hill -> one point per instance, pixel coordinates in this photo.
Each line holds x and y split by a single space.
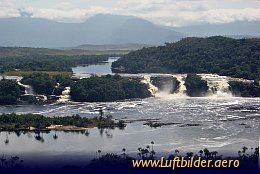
239 28
97 30
221 55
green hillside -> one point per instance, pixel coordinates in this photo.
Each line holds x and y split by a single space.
221 55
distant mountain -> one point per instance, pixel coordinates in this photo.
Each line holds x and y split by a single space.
235 28
97 30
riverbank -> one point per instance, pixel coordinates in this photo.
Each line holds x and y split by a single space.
33 122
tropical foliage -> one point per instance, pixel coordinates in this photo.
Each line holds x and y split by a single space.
9 92
195 85
47 62
221 55
13 122
245 89
44 83
107 88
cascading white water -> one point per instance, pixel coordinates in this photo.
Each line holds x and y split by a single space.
218 85
182 88
65 96
147 80
28 88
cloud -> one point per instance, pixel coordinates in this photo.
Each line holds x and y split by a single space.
166 12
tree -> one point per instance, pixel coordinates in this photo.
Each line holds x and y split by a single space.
217 54
244 149
9 92
206 152
124 152
201 152
195 85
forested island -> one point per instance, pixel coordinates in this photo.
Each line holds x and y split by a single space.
46 84
220 55
9 92
47 62
108 88
28 122
195 86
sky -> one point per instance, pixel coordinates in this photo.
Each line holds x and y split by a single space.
163 12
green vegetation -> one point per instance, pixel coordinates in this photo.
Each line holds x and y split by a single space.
195 85
13 122
47 62
44 83
107 88
9 92
245 89
220 55
51 73
74 51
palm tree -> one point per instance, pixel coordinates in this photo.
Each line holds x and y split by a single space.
189 154
152 153
244 149
239 153
124 154
206 152
214 153
6 138
176 152
99 152
145 151
201 152
252 150
152 143
139 151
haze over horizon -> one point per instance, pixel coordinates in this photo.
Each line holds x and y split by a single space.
59 23
162 12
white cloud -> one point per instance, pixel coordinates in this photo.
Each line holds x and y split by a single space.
167 12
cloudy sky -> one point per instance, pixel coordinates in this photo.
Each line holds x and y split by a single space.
166 12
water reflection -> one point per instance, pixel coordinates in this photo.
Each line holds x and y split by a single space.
101 68
42 136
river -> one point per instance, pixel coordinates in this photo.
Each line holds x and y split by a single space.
224 124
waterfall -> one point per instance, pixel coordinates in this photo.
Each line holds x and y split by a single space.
65 96
147 80
182 87
218 85
28 88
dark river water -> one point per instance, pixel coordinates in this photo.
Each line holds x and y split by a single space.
224 124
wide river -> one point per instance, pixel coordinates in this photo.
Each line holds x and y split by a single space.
224 124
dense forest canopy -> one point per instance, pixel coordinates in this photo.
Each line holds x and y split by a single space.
195 86
44 83
48 62
9 92
107 88
221 55
244 89
25 121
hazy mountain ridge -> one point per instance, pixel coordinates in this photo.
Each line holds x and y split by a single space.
100 29
104 29
127 47
239 28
